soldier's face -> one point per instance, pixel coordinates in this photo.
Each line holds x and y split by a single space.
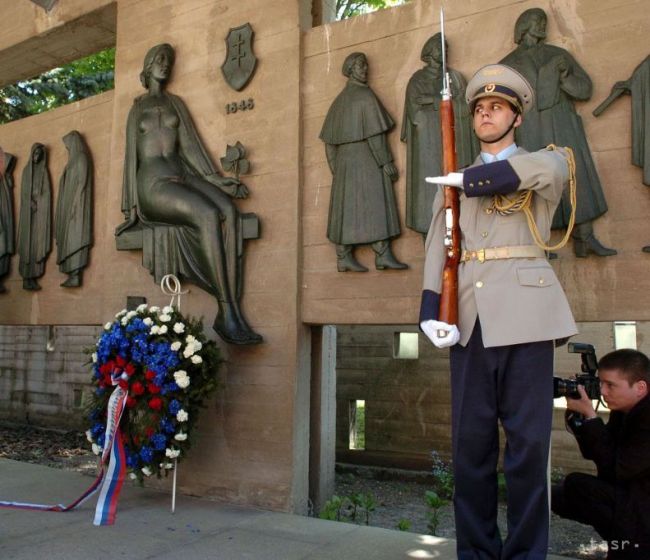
492 117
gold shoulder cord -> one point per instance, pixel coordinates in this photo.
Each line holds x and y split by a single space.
505 206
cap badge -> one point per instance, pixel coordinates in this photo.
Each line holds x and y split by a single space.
489 88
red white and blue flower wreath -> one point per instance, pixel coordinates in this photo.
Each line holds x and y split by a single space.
152 369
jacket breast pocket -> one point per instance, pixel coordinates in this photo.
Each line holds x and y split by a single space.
536 276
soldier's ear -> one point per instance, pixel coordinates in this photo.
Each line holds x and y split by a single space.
518 121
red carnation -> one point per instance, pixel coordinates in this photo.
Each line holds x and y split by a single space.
123 383
153 388
120 361
107 367
155 403
129 369
149 375
131 402
137 388
149 432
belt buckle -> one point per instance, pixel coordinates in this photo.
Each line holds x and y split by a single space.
480 255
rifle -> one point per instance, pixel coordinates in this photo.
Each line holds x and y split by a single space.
448 310
618 89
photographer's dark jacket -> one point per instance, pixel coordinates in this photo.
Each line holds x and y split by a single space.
621 451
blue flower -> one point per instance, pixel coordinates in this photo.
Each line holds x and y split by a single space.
131 459
97 429
159 441
146 453
101 439
174 407
167 426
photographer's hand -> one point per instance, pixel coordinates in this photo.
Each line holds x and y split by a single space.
582 405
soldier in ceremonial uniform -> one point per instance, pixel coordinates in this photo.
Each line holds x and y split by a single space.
512 310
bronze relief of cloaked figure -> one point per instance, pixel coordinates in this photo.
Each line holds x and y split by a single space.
421 132
559 81
73 220
172 187
34 228
7 245
362 202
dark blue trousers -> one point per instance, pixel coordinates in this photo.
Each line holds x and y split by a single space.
514 385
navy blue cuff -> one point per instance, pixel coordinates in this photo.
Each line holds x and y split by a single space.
429 306
492 178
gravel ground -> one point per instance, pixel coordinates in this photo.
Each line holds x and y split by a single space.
398 495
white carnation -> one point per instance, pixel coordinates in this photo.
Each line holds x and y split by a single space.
89 436
107 326
189 350
130 315
179 328
168 309
120 313
124 320
132 476
189 339
176 346
167 465
197 346
196 359
94 357
147 321
154 309
163 329
180 436
97 449
182 416
155 329
183 383
146 471
164 318
172 453
181 378
142 307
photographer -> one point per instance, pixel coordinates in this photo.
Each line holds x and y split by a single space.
616 502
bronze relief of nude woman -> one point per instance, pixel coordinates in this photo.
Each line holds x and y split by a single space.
184 203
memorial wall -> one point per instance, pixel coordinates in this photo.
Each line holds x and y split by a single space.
253 441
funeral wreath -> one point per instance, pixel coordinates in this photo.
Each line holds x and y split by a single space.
166 368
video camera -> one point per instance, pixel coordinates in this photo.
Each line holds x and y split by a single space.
588 379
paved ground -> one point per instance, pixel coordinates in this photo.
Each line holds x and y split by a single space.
199 529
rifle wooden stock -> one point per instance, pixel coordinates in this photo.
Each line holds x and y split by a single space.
448 311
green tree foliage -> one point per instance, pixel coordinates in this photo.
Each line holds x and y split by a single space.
59 86
349 8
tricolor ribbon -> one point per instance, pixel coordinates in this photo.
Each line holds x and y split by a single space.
110 479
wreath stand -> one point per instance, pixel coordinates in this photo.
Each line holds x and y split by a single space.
171 286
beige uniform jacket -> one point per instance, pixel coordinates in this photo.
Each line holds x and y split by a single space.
517 300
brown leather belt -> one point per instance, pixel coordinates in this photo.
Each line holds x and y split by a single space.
495 253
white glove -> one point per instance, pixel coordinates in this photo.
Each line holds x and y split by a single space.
432 329
454 179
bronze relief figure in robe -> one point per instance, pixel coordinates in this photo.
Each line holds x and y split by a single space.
172 187
421 132
73 221
362 202
34 228
7 245
558 81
